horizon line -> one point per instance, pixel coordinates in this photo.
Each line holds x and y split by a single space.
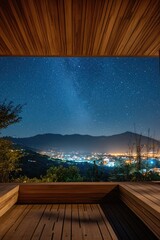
40 134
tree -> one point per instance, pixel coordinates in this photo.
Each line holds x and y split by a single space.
9 114
62 174
139 148
9 156
9 160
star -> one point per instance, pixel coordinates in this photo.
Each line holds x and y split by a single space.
96 96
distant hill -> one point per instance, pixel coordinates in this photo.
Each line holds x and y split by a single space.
83 143
34 164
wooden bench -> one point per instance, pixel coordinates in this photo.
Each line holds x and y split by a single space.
8 196
144 200
66 192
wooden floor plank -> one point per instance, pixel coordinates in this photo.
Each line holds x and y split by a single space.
13 230
47 224
94 217
104 225
11 219
88 221
84 222
58 227
28 222
37 234
34 217
76 226
67 223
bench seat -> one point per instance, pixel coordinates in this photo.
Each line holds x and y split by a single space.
8 196
144 200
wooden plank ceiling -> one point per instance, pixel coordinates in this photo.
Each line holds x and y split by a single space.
79 27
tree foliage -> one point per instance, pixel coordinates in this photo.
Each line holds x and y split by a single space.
55 174
9 160
9 156
9 114
63 174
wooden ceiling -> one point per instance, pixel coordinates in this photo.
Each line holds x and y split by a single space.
79 27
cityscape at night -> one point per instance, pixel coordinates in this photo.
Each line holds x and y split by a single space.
87 112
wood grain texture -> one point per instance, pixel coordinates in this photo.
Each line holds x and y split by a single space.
8 197
56 221
66 192
142 198
111 221
79 27
144 201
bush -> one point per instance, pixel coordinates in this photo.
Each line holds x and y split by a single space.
62 174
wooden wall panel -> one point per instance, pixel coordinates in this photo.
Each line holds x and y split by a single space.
79 27
67 192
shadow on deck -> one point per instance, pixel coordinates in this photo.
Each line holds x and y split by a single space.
125 223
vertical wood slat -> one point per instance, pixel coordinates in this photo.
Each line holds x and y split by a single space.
54 27
68 26
79 27
147 31
112 30
129 33
102 21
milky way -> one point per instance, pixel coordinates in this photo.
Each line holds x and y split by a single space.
96 96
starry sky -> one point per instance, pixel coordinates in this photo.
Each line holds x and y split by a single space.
96 96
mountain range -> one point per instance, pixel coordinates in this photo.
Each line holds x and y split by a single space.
84 143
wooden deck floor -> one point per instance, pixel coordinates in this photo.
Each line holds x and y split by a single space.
98 213
56 221
72 222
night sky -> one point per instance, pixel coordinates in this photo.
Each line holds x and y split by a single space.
96 96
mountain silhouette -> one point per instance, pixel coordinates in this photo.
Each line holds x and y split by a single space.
85 143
